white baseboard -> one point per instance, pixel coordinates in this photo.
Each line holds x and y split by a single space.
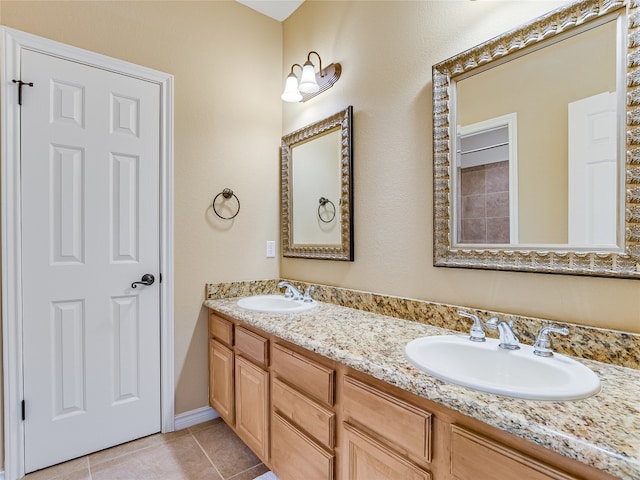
193 417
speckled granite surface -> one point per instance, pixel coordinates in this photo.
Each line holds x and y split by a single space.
608 346
602 431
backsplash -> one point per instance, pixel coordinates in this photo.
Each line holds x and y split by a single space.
609 346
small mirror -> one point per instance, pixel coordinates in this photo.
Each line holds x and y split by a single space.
536 150
317 193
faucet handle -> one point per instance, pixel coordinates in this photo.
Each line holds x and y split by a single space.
542 346
476 334
307 294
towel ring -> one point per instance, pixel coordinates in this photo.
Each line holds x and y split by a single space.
227 193
323 203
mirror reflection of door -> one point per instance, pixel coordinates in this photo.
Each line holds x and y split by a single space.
486 161
593 172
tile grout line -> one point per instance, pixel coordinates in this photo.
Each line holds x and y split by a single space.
89 468
206 455
132 452
244 471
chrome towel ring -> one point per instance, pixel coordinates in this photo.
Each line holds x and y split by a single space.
323 203
227 193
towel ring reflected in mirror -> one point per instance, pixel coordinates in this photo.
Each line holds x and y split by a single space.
323 202
227 193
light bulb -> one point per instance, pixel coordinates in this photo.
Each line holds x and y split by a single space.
291 92
308 82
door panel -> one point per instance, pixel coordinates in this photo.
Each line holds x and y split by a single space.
68 358
90 222
124 179
126 367
593 171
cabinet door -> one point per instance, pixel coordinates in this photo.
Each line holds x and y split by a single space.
252 406
367 459
221 380
294 456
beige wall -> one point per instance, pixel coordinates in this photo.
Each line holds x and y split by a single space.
227 63
386 50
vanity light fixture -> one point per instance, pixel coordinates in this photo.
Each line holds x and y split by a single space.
312 83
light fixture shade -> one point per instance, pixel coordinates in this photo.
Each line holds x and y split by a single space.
308 83
291 92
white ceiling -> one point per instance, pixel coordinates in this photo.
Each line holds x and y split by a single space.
278 9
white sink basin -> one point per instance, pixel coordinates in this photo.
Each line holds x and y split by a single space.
274 304
515 373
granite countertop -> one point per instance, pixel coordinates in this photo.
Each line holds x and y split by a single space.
602 431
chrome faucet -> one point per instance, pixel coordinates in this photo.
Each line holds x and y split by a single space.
291 291
542 346
476 334
508 338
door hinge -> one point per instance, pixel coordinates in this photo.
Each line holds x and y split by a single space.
160 275
20 85
24 411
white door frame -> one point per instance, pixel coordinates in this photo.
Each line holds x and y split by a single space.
13 42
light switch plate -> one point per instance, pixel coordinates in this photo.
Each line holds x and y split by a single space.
271 248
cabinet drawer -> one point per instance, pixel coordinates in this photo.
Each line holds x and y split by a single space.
252 346
294 456
405 427
306 375
474 456
221 329
315 420
368 459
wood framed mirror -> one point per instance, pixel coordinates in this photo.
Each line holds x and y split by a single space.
317 189
515 187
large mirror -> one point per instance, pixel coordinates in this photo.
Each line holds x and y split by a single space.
536 153
317 192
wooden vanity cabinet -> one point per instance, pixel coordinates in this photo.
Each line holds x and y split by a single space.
239 381
388 433
476 456
366 458
308 417
252 390
384 437
302 416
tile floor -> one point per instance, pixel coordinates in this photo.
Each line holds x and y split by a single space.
209 451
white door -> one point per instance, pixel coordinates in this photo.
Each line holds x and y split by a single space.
90 220
593 171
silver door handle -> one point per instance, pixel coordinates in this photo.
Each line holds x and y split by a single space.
147 279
